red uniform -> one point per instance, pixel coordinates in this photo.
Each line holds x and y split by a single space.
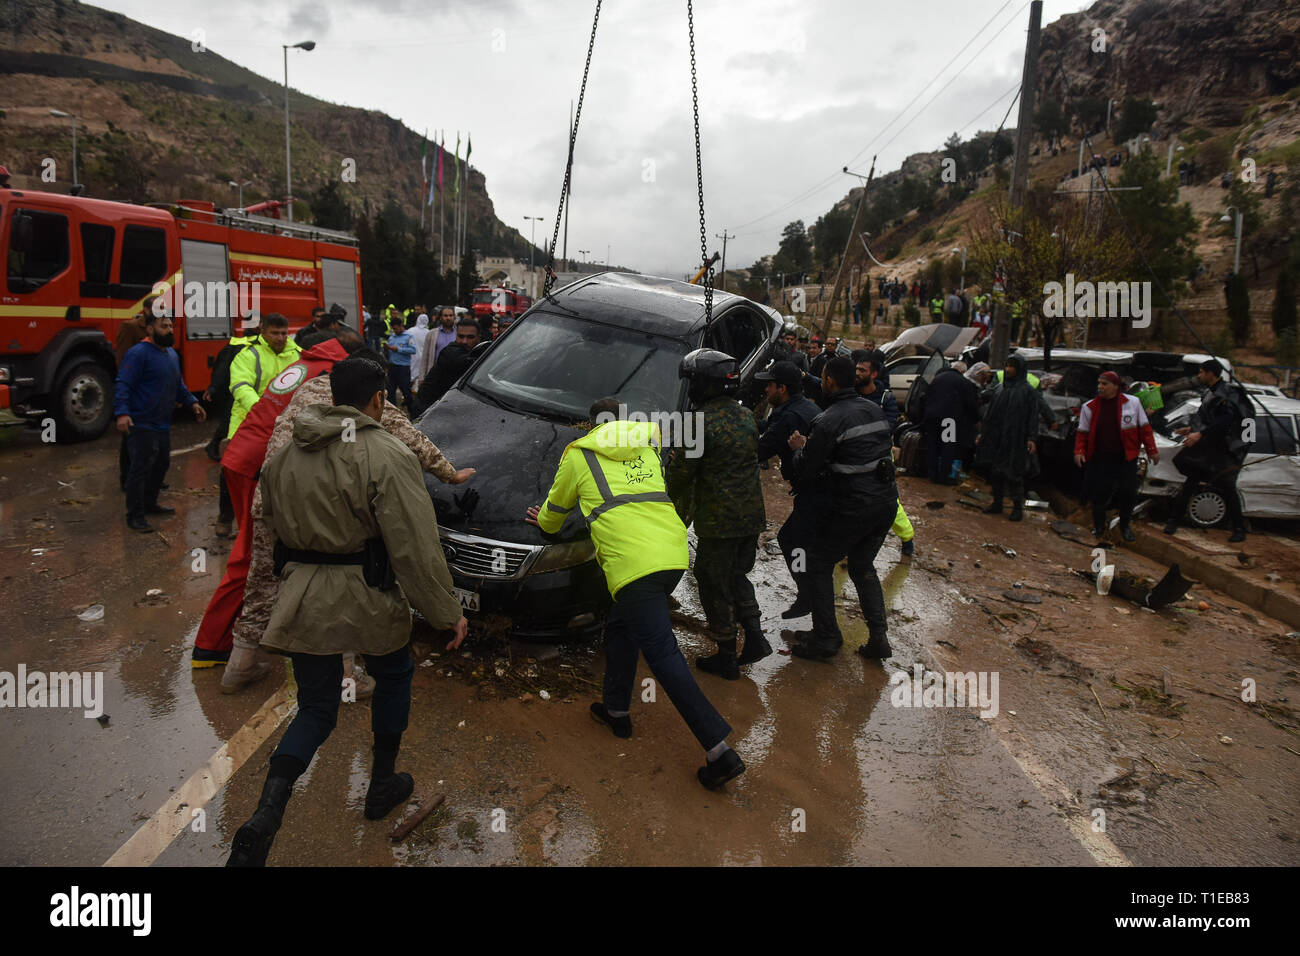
241 462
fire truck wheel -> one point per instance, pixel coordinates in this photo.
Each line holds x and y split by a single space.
84 402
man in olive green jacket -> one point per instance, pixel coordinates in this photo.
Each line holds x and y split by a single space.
343 487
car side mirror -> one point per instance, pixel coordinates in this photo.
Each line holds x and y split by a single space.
479 349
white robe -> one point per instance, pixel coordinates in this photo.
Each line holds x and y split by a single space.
418 335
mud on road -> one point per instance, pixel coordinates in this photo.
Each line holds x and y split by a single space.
1102 706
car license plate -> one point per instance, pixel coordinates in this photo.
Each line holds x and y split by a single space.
468 599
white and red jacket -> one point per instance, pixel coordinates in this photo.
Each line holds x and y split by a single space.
1134 429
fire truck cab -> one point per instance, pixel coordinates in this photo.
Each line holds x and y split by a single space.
77 268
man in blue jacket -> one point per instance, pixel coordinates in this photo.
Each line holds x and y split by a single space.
400 347
149 387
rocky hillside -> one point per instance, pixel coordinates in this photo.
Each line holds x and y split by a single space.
159 121
1203 63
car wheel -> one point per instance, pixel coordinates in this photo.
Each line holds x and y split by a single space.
1207 508
83 402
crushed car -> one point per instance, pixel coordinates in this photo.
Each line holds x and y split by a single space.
526 396
1269 480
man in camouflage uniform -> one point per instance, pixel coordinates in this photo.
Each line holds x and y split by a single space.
262 585
721 491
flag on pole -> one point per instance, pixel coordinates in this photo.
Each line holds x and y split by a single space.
456 186
424 158
469 148
442 148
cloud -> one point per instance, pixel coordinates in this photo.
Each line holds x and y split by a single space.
311 19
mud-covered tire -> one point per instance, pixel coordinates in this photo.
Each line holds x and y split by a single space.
83 402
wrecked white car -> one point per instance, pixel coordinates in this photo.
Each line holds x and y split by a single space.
1269 482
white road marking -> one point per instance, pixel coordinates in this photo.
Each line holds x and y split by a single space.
158 832
1057 794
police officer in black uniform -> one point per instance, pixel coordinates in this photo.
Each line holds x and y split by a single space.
1214 447
845 502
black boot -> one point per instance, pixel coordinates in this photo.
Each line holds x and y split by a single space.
800 608
877 648
253 840
1017 511
387 789
756 645
995 508
723 663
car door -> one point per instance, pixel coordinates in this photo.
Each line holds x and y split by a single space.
921 383
1269 481
747 336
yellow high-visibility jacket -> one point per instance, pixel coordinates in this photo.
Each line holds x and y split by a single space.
250 373
614 473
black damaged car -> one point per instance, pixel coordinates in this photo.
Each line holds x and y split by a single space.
525 398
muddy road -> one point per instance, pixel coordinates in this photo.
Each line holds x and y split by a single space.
1120 735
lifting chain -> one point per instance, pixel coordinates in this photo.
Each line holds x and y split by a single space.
568 168
699 171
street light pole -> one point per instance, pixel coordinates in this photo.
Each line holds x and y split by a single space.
240 187
1236 256
532 275
73 117
308 45
584 253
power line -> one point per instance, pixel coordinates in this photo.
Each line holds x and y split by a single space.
824 183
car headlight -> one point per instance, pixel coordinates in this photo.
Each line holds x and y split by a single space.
555 557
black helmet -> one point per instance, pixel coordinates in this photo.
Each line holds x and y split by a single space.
710 373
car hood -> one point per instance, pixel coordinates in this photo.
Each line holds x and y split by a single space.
516 457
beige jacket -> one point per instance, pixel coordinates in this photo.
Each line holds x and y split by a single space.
342 480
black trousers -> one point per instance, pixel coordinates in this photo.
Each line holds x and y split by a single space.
399 380
150 457
1225 483
1015 487
1112 476
821 540
225 507
721 569
319 678
123 461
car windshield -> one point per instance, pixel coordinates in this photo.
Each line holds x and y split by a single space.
483 298
557 365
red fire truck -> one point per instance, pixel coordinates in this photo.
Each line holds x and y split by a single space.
77 268
501 303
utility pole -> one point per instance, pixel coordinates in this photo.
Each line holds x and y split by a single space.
1020 171
724 237
840 276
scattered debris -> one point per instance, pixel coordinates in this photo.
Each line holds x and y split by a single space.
1022 597
543 695
990 546
934 505
1225 740
93 613
103 720
409 822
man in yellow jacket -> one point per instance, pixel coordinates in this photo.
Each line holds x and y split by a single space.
614 474
262 359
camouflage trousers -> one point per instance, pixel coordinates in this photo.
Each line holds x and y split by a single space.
721 566
260 589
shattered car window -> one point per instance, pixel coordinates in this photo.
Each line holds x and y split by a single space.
558 365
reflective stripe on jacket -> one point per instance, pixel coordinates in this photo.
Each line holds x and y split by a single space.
1134 429
615 475
250 373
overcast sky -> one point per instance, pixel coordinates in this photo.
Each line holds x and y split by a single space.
790 92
